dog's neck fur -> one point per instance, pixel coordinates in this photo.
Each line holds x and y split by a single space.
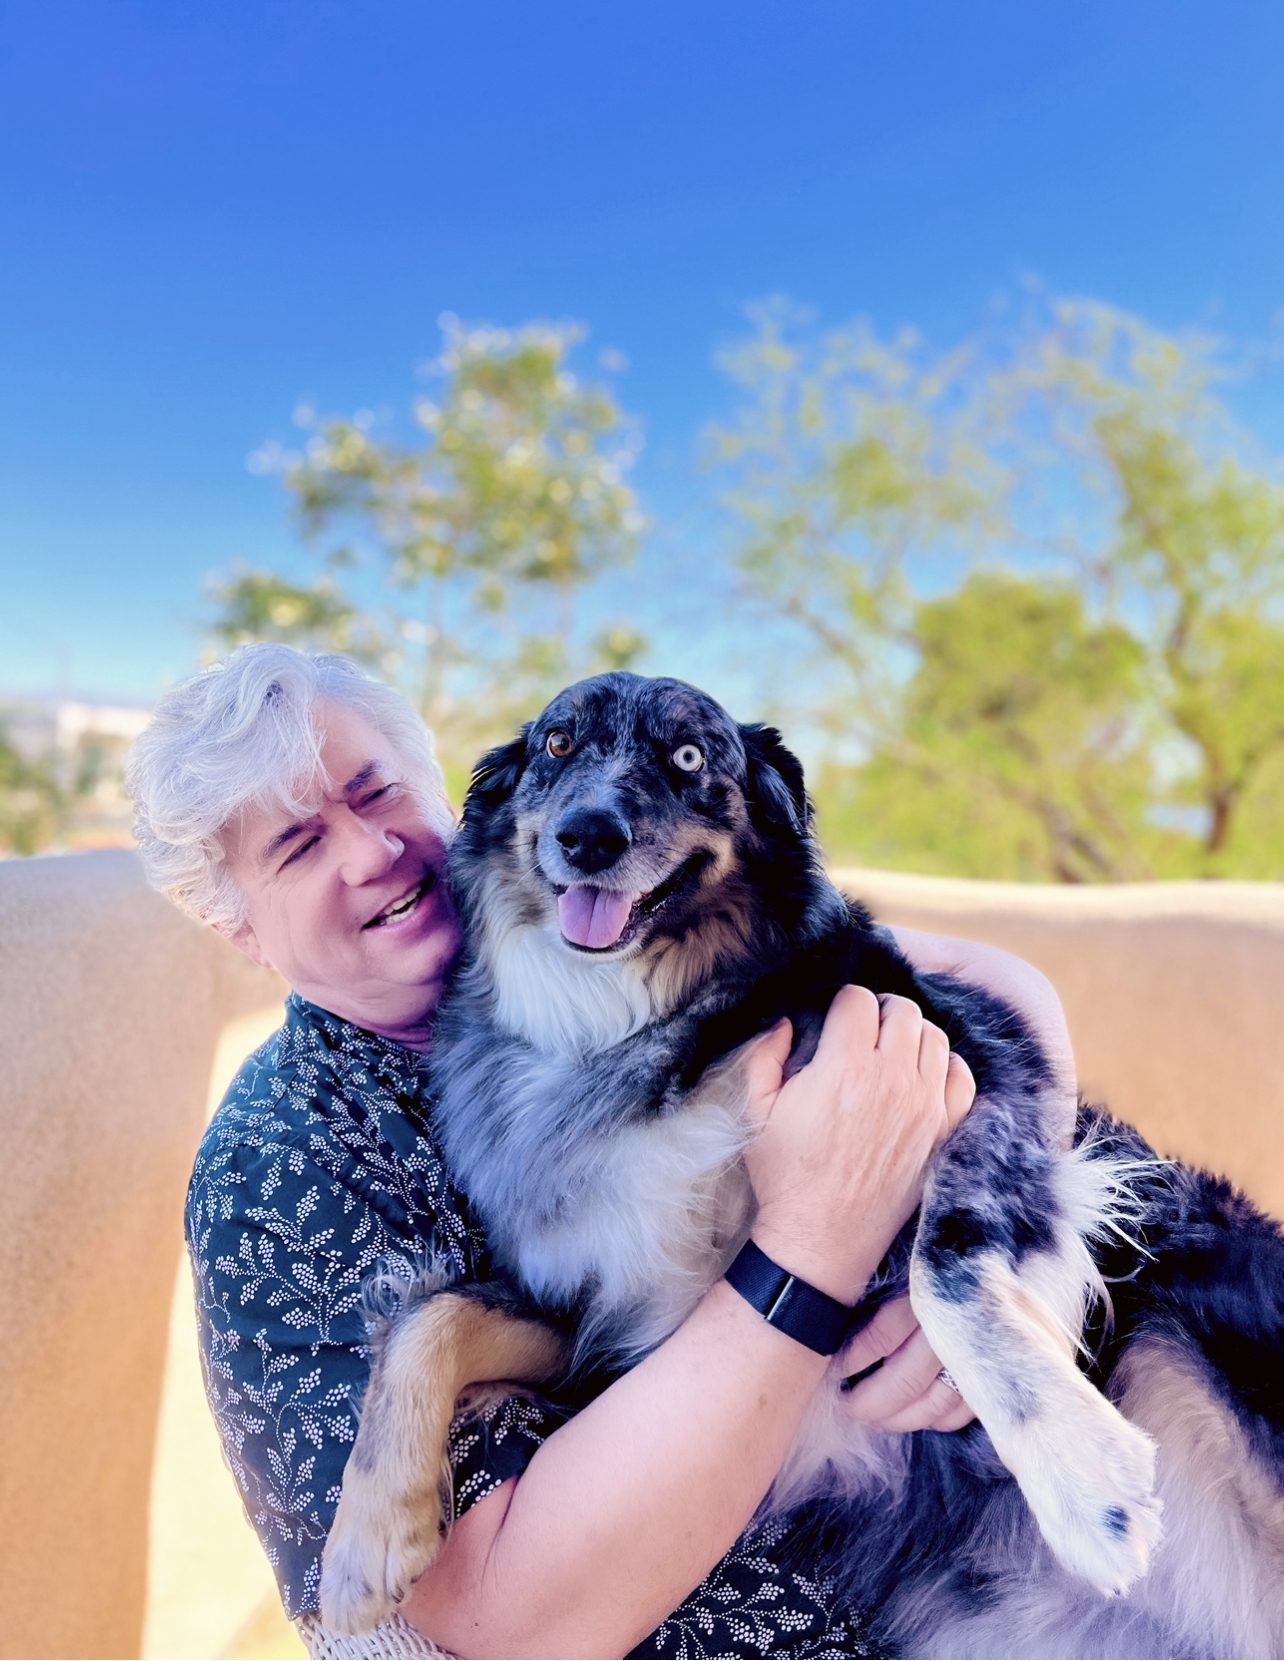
561 1003
575 1005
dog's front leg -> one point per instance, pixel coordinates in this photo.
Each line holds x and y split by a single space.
396 1485
999 1280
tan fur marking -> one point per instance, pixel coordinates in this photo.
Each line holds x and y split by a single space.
1221 1569
1039 1324
387 1529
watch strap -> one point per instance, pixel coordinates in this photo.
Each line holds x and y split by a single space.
798 1309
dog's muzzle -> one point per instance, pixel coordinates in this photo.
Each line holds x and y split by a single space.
596 918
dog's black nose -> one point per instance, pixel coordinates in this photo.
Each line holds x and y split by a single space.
592 840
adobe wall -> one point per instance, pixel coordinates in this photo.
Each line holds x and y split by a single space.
112 1009
112 1005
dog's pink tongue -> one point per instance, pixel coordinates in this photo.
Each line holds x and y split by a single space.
593 916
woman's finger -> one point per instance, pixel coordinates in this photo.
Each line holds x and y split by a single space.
880 1336
897 1387
933 1051
765 1071
956 1416
960 1090
900 1024
939 1407
850 1029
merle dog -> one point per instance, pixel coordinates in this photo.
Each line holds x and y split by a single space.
643 895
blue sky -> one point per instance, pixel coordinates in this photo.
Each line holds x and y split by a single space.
214 211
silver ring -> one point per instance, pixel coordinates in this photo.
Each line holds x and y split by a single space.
946 1378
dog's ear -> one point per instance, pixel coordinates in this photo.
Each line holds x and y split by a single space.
497 774
777 792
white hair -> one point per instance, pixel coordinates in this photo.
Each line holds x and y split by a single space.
244 735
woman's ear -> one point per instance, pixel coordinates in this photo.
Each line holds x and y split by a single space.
245 940
777 791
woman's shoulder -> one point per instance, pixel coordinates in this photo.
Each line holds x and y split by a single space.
323 1105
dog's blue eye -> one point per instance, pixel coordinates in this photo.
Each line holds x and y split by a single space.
688 759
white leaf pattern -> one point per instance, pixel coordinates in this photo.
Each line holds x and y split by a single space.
323 1150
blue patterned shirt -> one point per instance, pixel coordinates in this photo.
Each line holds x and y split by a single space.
320 1168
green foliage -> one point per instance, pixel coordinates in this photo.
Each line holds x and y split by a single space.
1116 711
36 806
517 478
256 605
1196 554
1020 725
487 525
848 456
1030 589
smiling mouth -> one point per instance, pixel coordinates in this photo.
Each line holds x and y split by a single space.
605 919
400 909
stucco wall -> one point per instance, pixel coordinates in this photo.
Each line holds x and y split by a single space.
112 1007
111 1018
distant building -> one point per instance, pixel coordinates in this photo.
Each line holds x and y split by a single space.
81 746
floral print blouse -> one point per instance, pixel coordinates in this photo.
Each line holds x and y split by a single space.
319 1169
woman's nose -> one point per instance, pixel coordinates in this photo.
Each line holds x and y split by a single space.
369 849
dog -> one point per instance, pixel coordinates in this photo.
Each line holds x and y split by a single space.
643 895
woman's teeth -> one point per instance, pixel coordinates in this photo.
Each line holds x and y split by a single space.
403 908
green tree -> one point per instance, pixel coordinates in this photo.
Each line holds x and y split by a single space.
37 804
488 525
257 605
1017 747
1110 708
855 466
1193 556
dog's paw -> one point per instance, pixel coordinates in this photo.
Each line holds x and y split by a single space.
1091 1487
379 1544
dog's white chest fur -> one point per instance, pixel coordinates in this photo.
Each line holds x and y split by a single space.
665 1205
561 1003
645 1213
644 1216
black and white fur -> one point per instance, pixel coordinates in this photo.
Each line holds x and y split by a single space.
590 1104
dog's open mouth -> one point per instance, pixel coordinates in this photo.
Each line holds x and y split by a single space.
603 919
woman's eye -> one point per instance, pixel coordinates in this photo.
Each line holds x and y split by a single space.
377 795
559 744
688 758
300 851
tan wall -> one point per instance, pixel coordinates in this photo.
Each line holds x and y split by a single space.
112 1006
112 1012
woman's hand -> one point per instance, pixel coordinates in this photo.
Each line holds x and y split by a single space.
837 1167
1019 983
903 1389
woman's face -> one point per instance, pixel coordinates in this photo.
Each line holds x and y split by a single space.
349 900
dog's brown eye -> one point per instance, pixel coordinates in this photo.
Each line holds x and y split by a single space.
559 744
688 758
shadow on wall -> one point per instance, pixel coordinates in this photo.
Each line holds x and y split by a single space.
112 1015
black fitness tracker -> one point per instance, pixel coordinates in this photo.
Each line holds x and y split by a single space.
783 1300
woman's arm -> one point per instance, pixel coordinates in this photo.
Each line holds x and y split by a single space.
628 1506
